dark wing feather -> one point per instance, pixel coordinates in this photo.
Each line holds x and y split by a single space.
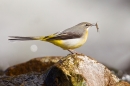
65 36
71 33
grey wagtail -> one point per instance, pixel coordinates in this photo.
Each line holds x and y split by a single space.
68 39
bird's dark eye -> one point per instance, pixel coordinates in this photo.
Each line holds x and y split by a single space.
86 25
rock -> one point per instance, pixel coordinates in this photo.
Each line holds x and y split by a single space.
1 72
81 70
72 70
35 65
121 83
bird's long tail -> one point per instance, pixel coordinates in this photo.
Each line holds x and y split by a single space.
20 38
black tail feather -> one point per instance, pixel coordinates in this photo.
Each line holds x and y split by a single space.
19 38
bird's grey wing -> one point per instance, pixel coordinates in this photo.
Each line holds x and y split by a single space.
70 33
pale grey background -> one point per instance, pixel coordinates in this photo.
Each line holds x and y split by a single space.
110 46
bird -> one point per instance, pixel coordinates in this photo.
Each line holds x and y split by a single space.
68 39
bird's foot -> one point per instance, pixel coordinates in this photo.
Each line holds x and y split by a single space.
74 52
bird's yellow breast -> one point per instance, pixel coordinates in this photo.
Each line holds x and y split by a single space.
71 43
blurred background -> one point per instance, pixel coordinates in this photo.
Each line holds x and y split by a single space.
110 46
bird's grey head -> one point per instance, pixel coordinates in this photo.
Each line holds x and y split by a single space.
87 25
